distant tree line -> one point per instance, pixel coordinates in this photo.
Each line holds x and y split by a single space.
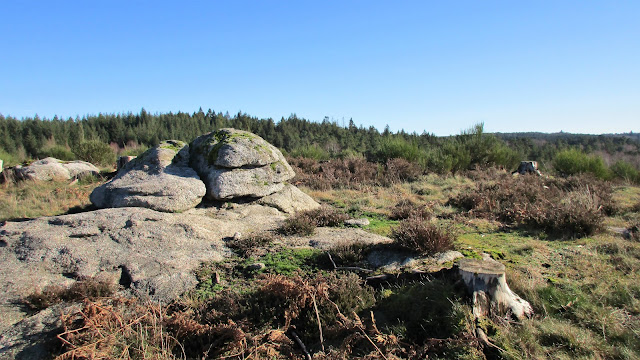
33 138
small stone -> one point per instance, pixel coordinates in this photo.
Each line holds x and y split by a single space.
448 256
357 222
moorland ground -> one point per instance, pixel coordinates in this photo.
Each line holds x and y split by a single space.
570 246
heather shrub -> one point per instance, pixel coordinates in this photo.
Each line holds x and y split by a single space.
325 216
578 214
352 173
574 207
350 254
247 245
298 225
418 235
406 208
399 170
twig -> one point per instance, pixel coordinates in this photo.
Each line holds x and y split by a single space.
301 344
315 307
331 259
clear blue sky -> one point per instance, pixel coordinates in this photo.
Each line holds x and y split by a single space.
439 66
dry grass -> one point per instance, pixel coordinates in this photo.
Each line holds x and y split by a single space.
28 199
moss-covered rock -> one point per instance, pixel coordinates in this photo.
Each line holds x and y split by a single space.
235 163
159 179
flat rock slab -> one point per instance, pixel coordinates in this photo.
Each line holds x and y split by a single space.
326 237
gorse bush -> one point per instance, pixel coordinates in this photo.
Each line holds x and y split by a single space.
311 152
625 171
57 151
574 161
416 234
95 152
399 148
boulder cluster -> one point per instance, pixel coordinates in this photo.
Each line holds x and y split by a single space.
223 165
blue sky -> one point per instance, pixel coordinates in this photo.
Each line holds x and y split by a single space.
439 66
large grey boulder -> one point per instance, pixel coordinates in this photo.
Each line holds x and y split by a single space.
235 163
159 179
54 169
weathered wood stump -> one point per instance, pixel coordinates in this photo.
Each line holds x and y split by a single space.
486 281
122 161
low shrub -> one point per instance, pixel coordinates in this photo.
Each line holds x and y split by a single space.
247 245
405 209
398 170
573 207
350 254
352 173
297 225
325 216
95 152
304 223
415 234
625 171
573 162
57 151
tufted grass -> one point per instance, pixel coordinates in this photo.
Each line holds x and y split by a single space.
29 199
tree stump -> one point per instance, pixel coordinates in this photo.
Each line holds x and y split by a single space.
486 280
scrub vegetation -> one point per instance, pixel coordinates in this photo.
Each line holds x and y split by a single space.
568 240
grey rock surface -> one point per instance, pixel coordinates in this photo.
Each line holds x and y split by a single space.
235 163
448 256
54 169
151 252
357 222
326 238
159 179
289 200
35 336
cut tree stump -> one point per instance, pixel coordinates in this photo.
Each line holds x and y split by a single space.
485 279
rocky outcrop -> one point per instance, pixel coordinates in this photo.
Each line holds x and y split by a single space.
235 163
54 169
159 179
151 252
